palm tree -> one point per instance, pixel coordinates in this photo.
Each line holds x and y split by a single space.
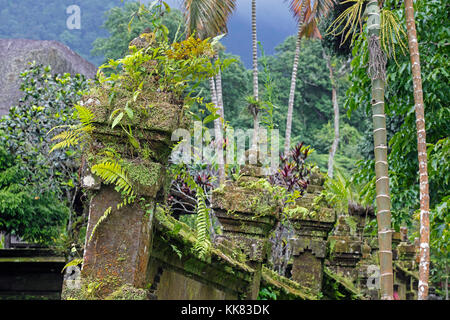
254 106
307 27
424 265
209 18
335 144
378 36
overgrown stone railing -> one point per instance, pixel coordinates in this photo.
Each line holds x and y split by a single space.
247 214
312 220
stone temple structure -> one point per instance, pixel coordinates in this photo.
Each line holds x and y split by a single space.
142 252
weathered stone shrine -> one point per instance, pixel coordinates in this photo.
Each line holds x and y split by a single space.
141 252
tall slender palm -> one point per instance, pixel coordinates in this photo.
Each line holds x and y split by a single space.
377 72
424 265
351 20
305 12
255 106
209 18
335 144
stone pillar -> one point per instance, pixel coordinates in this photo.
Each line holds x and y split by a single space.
367 268
405 267
247 213
312 222
118 254
345 250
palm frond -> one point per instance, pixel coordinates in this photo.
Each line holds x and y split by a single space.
392 34
207 17
347 20
318 8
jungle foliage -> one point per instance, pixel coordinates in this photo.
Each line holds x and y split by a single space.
39 191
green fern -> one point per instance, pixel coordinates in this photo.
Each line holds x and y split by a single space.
76 134
74 262
203 243
100 221
111 172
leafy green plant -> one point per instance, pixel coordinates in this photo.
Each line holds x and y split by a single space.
203 243
342 190
47 102
267 293
27 211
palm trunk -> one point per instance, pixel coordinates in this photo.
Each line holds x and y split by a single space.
377 71
218 134
424 265
255 77
335 144
287 141
219 93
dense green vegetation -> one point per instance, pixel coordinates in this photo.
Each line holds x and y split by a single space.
39 192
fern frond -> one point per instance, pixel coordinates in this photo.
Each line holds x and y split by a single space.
111 172
69 139
84 115
76 134
202 245
100 221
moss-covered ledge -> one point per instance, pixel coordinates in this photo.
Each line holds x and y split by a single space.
224 268
291 288
345 284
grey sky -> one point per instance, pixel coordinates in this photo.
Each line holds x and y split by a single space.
274 23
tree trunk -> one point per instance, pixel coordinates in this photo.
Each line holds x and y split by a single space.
335 144
219 93
255 77
424 265
377 71
218 134
287 140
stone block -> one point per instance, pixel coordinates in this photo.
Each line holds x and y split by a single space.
118 253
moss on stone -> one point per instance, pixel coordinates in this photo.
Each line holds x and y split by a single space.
346 283
286 285
128 292
147 177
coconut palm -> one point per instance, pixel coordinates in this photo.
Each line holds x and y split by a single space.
424 265
383 33
305 11
208 18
